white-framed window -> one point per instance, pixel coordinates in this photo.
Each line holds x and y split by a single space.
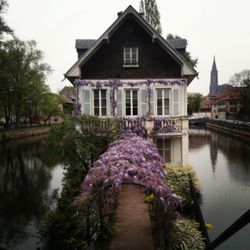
130 57
164 148
131 102
163 101
100 102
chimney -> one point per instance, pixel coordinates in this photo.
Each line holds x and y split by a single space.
119 13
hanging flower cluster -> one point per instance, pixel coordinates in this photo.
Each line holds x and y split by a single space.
163 125
132 83
131 159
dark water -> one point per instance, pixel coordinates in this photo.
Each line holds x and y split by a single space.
29 173
222 164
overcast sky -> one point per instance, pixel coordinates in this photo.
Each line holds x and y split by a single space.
219 28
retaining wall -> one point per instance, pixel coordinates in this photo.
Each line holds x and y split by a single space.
22 133
237 130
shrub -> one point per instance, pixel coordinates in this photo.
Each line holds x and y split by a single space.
186 236
79 141
178 178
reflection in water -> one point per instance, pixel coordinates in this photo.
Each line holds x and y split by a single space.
26 170
223 166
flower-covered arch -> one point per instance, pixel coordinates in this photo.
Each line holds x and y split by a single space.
130 159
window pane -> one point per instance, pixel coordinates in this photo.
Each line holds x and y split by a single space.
127 92
167 143
166 93
128 111
166 110
103 94
166 107
104 111
135 111
159 110
96 102
159 143
159 102
104 103
96 94
159 93
96 110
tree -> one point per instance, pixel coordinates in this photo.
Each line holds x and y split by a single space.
194 104
50 105
185 54
241 80
4 28
21 70
151 13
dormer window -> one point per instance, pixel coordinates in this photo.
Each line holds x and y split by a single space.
130 57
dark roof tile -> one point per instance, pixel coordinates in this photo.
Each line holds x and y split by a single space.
84 43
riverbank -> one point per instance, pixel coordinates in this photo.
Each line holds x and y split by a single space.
238 130
23 132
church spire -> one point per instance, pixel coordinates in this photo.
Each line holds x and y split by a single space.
214 67
213 79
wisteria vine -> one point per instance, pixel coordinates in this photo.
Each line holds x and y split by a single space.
130 159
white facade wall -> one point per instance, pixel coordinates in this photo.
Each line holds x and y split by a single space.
178 100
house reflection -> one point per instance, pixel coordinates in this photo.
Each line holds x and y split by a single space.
170 149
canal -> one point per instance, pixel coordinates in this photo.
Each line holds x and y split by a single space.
222 164
30 171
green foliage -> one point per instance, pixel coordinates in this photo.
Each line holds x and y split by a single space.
151 14
172 36
50 105
185 235
194 103
22 76
185 54
79 141
4 28
178 178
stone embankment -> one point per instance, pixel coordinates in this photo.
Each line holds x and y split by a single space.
235 128
22 133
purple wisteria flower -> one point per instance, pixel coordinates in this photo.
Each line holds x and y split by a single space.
130 159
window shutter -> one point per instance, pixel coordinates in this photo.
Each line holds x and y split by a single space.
144 102
86 101
152 101
119 102
176 102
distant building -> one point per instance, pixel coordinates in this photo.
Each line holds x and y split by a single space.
214 87
227 105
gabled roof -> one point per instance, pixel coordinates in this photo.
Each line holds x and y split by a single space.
187 70
176 43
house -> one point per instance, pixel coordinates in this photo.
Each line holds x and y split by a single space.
131 71
227 105
205 107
